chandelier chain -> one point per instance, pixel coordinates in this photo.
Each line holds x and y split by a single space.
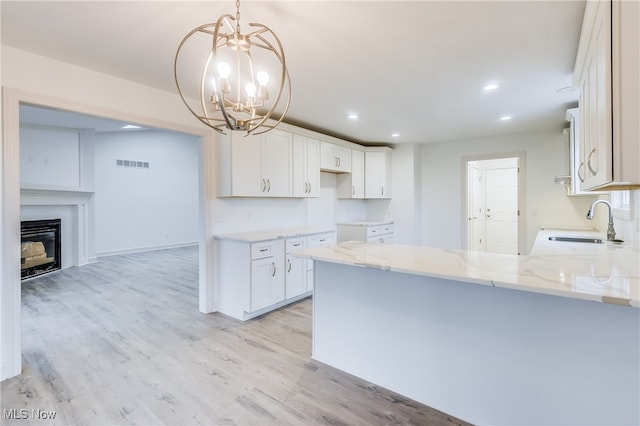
238 16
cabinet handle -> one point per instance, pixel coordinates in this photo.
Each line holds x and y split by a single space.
593 172
264 185
323 240
262 250
579 175
288 265
268 185
382 190
273 269
339 162
353 190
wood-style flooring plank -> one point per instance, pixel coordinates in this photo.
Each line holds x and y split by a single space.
121 342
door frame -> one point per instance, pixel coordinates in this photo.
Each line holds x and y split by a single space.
10 283
522 226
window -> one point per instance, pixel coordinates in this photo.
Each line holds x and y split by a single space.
622 206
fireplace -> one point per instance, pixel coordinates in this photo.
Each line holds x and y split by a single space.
40 248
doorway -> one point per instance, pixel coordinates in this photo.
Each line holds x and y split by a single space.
493 204
10 291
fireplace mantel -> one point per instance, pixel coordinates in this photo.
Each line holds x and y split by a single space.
53 196
81 202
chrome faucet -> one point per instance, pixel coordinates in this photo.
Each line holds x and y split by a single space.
611 233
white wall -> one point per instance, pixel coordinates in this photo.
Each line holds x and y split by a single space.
547 204
49 157
139 208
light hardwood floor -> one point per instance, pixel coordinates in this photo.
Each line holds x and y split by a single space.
121 341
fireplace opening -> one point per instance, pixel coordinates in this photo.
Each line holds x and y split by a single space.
40 247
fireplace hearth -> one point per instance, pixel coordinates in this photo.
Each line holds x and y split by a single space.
40 248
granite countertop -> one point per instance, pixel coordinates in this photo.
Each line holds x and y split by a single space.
273 234
608 273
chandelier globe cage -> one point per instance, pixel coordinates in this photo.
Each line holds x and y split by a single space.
243 82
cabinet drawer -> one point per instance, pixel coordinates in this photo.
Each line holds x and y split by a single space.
322 239
373 231
296 244
260 250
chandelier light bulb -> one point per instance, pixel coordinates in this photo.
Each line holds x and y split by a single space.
263 78
224 70
251 89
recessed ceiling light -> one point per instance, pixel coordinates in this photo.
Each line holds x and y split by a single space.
490 87
505 118
352 116
395 135
131 126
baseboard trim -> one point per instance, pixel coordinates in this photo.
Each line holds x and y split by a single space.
143 249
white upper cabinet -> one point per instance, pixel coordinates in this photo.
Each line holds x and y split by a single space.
306 166
377 173
335 158
276 163
351 185
255 166
607 69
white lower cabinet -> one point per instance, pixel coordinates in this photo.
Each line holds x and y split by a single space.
267 284
295 268
267 274
255 277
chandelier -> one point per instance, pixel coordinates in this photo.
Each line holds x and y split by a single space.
234 83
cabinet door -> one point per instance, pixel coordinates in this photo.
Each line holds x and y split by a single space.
373 186
343 156
595 103
300 187
328 159
357 174
263 273
246 174
313 167
276 163
296 273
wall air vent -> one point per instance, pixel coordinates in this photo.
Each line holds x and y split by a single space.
133 163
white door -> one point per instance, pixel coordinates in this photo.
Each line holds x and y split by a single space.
475 217
501 210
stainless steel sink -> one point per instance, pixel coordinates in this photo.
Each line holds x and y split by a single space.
578 240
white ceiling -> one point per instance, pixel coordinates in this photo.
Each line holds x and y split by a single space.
416 68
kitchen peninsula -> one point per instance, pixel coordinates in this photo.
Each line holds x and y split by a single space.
549 338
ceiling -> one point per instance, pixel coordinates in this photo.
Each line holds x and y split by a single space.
415 68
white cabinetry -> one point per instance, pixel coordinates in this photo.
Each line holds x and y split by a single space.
255 166
351 185
372 232
335 158
267 275
295 268
255 277
606 70
306 167
378 173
